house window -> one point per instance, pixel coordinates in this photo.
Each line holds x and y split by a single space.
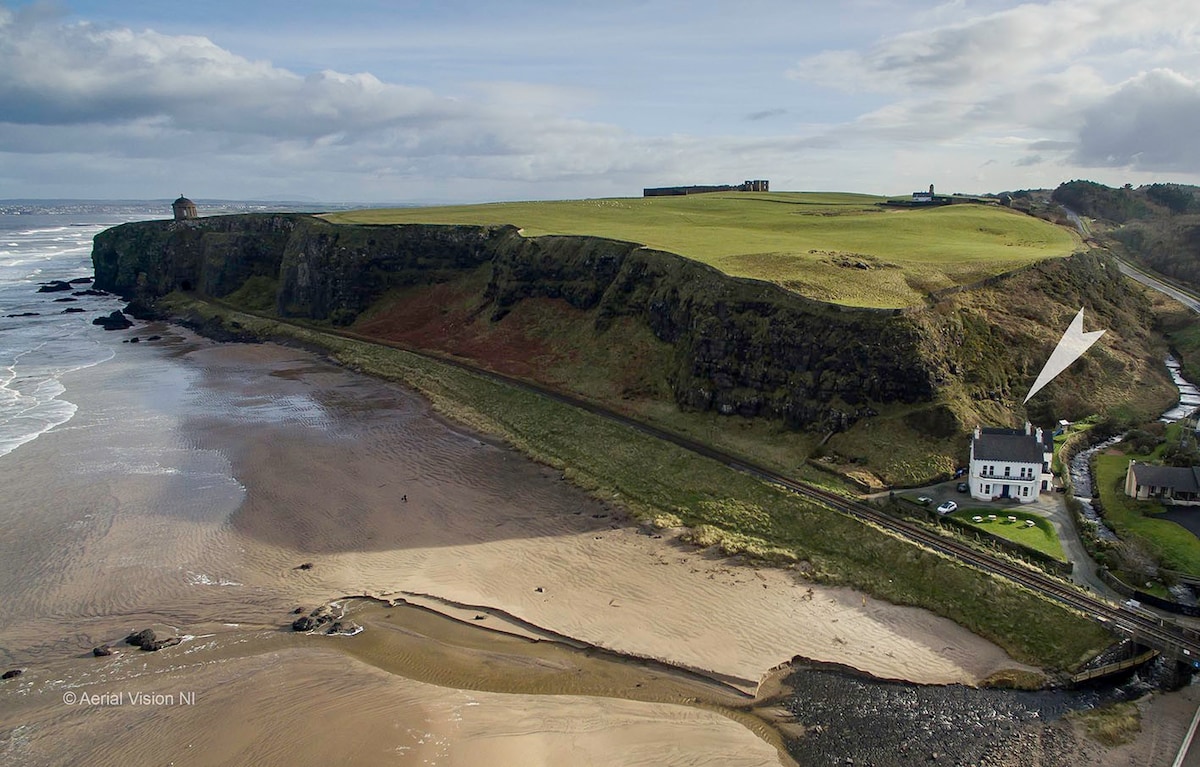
1025 492
987 489
1007 470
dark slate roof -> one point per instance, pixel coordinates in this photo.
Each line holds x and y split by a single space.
1017 446
1178 478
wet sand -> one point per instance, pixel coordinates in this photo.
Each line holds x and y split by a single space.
197 477
314 707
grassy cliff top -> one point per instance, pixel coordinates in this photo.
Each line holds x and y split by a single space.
842 248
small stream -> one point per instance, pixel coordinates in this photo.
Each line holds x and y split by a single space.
1081 473
849 718
1189 395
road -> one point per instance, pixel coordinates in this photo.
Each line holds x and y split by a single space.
1187 299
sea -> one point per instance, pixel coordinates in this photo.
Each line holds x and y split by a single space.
39 243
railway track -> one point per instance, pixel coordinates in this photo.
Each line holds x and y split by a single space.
1168 637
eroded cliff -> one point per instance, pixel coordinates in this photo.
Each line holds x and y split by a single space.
707 341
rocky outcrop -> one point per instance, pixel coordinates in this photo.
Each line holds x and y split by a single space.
147 640
114 321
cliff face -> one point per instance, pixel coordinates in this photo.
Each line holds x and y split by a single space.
740 346
732 345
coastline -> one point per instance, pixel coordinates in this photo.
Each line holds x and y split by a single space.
309 459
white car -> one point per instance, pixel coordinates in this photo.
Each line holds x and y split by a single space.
924 500
947 507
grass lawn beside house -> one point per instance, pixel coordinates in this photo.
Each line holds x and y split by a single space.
1041 537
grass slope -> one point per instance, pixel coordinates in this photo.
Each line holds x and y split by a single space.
842 248
658 481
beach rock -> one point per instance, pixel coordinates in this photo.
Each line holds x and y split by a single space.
336 628
80 281
102 651
54 286
140 311
14 673
66 300
154 338
141 638
114 321
23 314
304 566
298 611
90 292
73 310
305 623
159 644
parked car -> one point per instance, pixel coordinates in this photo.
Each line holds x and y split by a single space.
963 487
924 500
947 507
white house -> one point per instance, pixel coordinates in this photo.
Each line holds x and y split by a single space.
1010 463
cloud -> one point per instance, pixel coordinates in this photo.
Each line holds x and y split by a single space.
1149 123
1000 47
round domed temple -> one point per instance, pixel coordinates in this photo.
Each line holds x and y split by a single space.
183 208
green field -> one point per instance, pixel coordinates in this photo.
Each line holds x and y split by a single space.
1040 537
842 248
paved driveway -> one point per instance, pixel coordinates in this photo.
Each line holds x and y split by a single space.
1052 506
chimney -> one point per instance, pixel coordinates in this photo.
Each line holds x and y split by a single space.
1028 429
1038 433
978 432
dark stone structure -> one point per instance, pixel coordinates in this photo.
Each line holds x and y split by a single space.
755 185
183 208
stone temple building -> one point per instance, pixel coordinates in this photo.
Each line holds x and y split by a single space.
183 208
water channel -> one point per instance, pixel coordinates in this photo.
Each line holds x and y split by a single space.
1080 468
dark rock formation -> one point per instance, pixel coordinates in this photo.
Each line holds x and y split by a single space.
66 300
12 674
159 644
141 638
304 566
54 286
90 292
141 311
147 640
114 321
102 651
73 310
81 281
24 314
304 623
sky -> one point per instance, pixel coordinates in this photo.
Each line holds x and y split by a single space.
402 101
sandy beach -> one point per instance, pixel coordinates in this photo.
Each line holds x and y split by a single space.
263 458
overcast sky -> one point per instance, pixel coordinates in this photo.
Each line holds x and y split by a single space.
461 100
